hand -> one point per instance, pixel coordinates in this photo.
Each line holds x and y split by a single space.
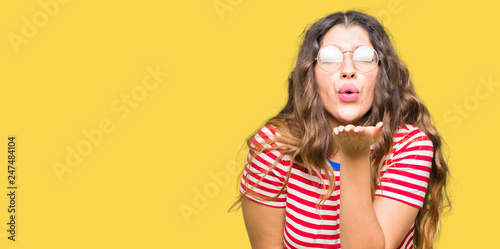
356 140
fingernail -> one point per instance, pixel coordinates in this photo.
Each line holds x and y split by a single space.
382 126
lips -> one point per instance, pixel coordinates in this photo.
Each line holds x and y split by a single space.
348 93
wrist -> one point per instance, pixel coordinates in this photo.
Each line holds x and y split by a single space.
360 154
357 163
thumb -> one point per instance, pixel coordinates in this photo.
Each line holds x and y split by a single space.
378 130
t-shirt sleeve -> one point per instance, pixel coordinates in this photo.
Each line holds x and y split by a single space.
260 179
405 176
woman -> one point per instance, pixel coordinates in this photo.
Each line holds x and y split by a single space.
352 159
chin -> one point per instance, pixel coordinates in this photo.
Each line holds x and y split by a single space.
349 119
336 121
354 122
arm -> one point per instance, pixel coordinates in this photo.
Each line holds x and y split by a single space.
359 226
381 223
264 219
265 225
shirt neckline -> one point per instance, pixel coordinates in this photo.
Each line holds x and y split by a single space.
335 165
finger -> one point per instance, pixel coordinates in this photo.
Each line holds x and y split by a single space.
349 128
343 133
344 136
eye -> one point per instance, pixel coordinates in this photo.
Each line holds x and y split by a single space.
330 54
364 53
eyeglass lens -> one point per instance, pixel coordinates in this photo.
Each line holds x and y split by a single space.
330 58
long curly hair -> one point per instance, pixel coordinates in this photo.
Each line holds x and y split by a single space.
306 134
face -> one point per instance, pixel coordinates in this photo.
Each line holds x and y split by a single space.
347 93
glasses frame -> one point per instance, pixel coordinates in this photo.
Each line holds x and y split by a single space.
347 51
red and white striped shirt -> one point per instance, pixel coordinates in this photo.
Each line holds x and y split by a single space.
403 177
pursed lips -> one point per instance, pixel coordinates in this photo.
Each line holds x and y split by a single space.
348 93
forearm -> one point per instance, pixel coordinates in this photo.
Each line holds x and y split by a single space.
359 226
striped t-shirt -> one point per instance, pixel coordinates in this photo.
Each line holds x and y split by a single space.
403 177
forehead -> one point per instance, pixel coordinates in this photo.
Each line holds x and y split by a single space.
346 37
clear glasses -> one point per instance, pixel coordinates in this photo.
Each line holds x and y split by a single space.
330 58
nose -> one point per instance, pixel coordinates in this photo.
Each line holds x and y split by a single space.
348 71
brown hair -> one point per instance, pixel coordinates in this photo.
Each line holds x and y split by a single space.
306 134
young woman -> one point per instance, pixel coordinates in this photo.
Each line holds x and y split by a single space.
352 160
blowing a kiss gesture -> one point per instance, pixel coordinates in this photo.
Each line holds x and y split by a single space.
339 193
356 140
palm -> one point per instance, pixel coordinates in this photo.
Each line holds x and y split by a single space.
355 140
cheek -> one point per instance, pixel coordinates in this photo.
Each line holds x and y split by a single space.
321 83
320 76
372 79
324 80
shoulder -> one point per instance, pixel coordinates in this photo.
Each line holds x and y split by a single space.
265 137
266 151
404 176
264 177
410 136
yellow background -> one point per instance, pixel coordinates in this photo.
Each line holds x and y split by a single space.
226 75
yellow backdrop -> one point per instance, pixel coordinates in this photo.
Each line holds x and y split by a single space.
128 115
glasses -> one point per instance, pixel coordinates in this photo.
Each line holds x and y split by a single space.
330 58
